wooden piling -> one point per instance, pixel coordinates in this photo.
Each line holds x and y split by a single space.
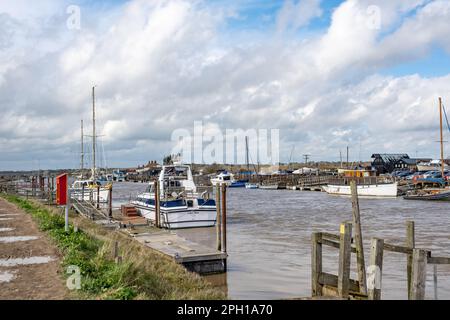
344 260
419 274
218 220
110 214
98 197
435 281
224 218
410 243
361 267
157 204
376 265
117 258
316 264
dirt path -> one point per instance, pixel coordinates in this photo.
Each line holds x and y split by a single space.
29 263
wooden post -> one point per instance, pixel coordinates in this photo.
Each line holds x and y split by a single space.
218 220
117 258
157 204
316 264
410 243
419 274
344 259
52 187
358 240
98 197
224 218
82 192
110 214
376 269
435 280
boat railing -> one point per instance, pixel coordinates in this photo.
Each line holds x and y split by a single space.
360 180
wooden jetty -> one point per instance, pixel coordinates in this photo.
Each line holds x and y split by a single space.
343 287
195 257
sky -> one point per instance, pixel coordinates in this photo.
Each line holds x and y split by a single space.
328 74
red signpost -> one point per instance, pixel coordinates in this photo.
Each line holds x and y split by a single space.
61 189
62 196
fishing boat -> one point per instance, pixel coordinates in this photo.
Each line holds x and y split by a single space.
368 184
389 190
181 206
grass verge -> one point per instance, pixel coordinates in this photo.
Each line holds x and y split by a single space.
143 274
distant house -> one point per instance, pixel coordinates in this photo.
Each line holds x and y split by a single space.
406 164
385 162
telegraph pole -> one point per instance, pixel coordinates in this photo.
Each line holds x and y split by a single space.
442 140
93 134
82 150
347 157
306 156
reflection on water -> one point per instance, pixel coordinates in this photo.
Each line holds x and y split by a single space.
269 239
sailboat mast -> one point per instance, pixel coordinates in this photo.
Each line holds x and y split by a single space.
82 150
442 139
246 153
93 134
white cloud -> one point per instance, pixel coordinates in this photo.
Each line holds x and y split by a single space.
161 65
298 14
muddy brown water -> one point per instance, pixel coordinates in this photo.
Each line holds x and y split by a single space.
269 239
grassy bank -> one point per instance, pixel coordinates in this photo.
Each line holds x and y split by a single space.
143 273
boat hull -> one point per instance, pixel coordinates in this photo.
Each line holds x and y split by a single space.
437 196
179 217
376 190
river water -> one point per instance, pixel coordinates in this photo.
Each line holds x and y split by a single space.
269 239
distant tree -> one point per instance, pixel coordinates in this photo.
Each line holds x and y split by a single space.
168 160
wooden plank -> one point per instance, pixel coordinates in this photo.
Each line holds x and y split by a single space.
326 279
419 274
316 264
410 243
330 236
398 249
344 260
360 263
438 260
375 269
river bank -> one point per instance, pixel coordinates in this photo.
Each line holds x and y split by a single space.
141 274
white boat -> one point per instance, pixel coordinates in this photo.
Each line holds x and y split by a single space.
365 190
223 178
87 190
269 186
119 176
434 165
181 206
251 186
